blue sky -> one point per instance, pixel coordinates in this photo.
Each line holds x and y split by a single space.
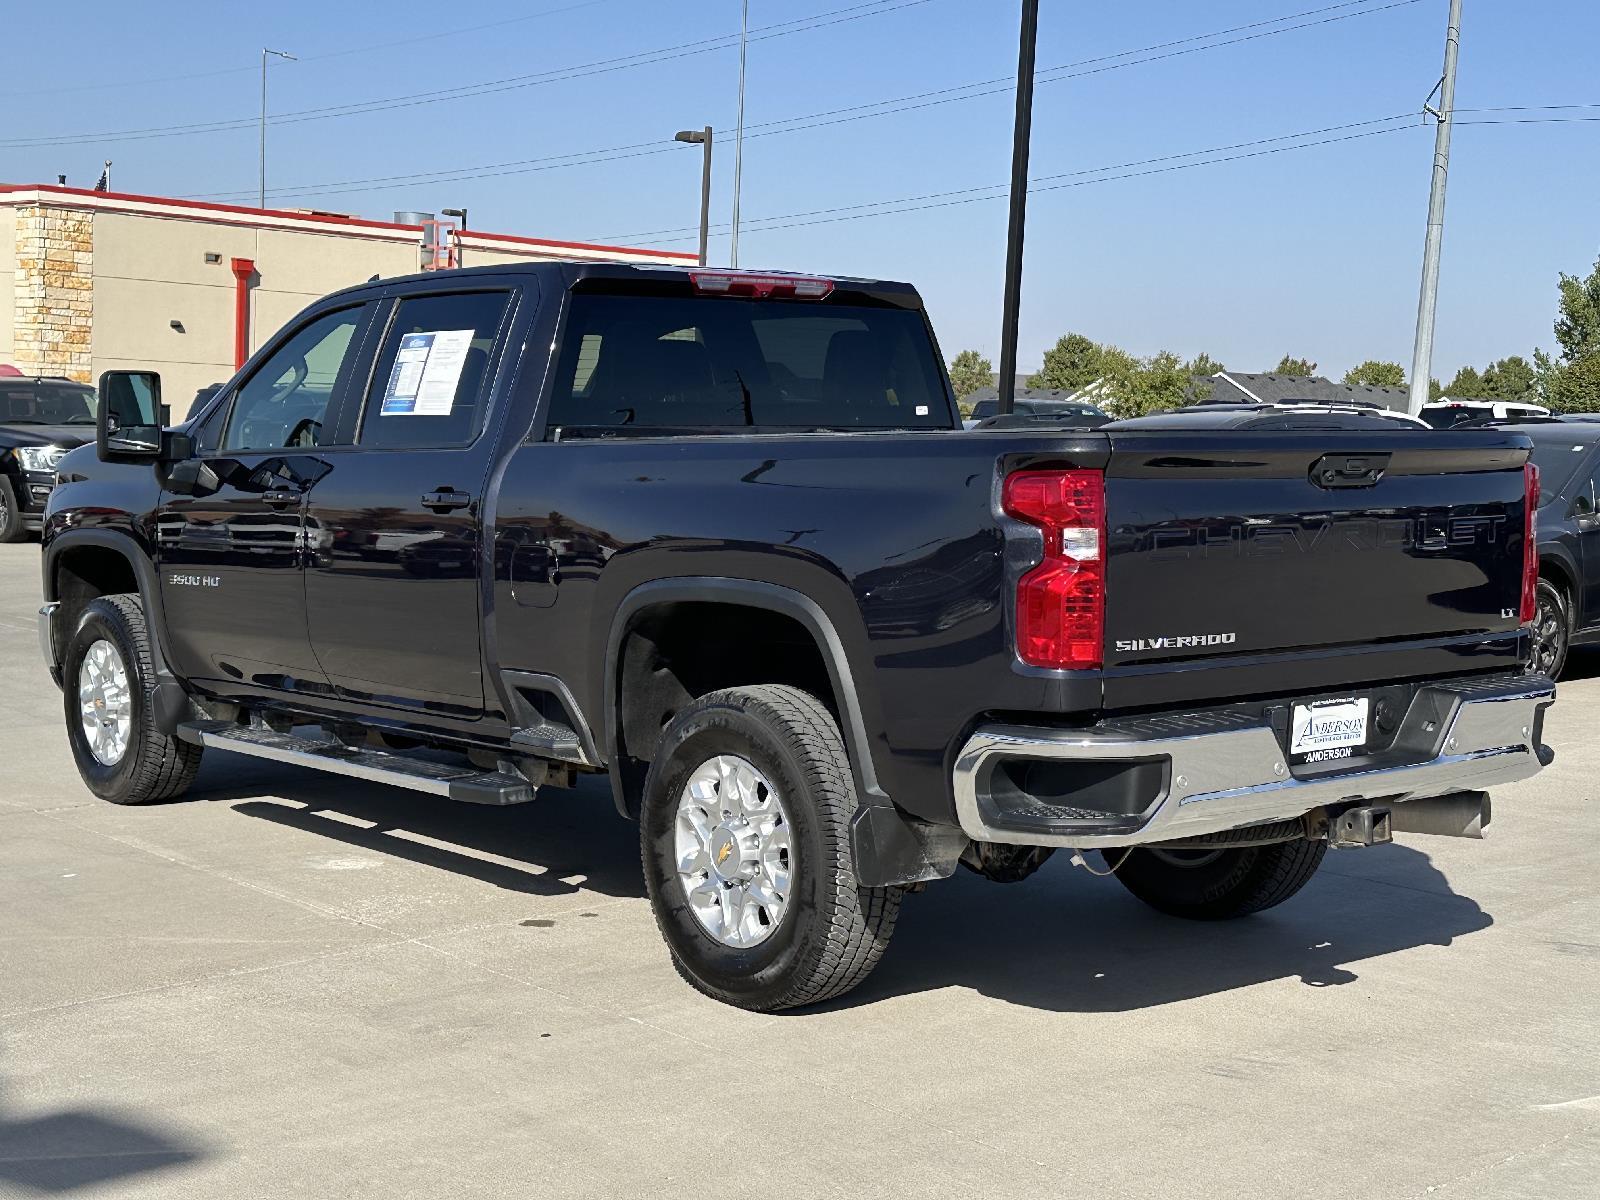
1313 251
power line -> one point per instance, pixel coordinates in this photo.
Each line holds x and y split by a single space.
1039 179
839 116
660 54
456 31
906 207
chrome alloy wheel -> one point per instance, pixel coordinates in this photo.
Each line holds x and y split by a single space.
731 843
106 702
1548 635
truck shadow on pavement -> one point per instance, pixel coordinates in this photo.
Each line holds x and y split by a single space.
564 841
1062 941
1068 942
63 1151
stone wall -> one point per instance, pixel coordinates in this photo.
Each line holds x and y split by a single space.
53 290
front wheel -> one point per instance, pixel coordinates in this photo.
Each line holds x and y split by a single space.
745 835
1214 885
11 527
108 685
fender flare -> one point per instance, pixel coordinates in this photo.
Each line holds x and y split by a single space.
754 594
172 702
888 848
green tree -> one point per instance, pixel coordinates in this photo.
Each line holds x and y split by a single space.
1511 378
1467 385
1073 362
969 372
1435 389
1203 364
1578 326
1575 386
1573 383
1298 367
1377 374
1139 386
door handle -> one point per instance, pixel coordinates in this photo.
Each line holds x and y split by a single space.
280 497
445 500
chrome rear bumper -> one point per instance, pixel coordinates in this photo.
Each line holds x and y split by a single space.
1213 772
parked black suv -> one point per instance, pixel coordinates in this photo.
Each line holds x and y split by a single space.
719 535
41 418
1568 456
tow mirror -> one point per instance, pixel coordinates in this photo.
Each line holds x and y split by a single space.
128 416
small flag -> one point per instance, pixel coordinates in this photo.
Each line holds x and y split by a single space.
105 179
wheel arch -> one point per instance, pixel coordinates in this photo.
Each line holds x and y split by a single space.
80 565
1558 570
774 599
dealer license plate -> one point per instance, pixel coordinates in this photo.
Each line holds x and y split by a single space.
1328 729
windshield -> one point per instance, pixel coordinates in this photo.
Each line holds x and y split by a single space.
1558 461
682 363
46 402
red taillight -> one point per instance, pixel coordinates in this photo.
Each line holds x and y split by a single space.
1530 543
1061 603
760 285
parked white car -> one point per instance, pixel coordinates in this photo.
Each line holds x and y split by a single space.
1445 412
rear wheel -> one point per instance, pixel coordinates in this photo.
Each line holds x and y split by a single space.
1214 885
108 685
746 845
1552 631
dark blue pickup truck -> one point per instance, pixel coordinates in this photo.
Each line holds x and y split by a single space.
721 535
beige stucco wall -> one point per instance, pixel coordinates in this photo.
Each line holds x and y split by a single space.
151 271
8 274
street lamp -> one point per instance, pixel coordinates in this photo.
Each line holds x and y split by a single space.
702 138
461 215
279 54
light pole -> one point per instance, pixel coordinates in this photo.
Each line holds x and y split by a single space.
1022 134
738 136
1428 303
702 138
262 199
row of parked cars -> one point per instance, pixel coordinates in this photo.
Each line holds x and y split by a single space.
717 536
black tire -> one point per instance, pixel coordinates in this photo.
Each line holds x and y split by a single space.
1215 885
153 766
832 930
11 529
1552 630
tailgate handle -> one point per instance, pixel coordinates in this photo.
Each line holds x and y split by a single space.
1349 470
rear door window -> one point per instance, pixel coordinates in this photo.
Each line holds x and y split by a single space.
430 384
672 364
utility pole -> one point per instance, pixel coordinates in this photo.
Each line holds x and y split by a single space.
702 138
1428 304
1019 206
262 196
738 137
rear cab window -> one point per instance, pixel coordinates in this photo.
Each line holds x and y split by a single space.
668 364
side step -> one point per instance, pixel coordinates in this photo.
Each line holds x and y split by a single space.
465 783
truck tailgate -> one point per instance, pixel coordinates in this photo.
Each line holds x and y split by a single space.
1364 546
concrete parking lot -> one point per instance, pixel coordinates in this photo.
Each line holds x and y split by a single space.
291 984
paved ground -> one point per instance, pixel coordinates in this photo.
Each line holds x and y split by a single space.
294 985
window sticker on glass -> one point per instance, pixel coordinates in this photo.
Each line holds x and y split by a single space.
427 371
